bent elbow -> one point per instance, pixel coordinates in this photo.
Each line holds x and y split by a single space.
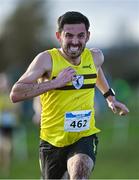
13 98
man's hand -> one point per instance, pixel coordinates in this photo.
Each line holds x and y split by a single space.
65 76
118 107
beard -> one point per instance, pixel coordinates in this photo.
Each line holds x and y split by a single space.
73 51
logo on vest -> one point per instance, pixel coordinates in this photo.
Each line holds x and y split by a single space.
87 66
78 81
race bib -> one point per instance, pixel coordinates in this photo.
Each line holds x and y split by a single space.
76 121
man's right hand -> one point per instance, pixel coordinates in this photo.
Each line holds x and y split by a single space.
65 76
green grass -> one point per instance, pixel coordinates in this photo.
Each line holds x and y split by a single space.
118 152
25 165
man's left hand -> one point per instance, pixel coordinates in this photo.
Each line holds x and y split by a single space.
118 107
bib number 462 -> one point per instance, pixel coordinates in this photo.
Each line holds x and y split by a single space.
78 124
77 121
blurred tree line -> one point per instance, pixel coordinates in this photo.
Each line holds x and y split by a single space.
123 62
27 32
122 59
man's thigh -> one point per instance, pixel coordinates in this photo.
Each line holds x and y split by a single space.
80 166
53 162
82 156
86 145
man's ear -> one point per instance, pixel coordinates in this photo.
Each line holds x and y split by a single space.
88 36
58 35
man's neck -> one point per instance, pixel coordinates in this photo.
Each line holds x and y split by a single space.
74 61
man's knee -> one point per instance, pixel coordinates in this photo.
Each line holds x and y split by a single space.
80 166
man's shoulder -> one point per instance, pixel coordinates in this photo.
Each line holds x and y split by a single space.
44 54
97 56
96 51
44 60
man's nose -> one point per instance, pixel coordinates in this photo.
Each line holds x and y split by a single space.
75 40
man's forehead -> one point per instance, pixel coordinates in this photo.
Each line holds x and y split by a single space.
74 28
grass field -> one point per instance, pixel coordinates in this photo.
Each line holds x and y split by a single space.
118 153
118 150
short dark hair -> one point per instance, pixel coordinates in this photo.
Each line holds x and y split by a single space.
72 17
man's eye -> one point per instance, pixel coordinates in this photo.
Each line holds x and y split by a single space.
81 35
69 35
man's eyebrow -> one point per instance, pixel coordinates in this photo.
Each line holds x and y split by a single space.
82 33
68 33
72 33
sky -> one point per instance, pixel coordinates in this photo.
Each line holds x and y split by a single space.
108 18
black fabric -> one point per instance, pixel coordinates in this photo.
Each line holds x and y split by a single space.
7 131
54 159
86 145
84 86
71 87
86 76
110 92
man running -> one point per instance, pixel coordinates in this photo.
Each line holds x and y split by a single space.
65 78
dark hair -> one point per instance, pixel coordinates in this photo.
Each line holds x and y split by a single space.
72 17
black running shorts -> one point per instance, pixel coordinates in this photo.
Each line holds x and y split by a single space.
53 160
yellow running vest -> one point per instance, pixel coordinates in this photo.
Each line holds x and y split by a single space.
68 112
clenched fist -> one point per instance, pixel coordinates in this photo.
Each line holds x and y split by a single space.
65 76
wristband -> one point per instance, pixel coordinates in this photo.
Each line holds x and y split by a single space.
110 92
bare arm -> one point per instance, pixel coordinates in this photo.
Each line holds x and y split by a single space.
103 86
113 104
101 83
27 86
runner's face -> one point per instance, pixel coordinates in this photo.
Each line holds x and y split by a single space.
73 39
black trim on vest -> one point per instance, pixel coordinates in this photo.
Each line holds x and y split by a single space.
71 87
85 86
90 76
86 76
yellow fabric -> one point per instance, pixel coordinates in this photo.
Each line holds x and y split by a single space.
56 103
